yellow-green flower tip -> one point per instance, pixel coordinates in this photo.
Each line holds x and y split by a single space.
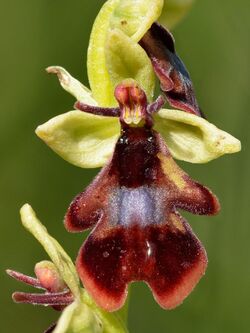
81 138
72 86
132 19
193 139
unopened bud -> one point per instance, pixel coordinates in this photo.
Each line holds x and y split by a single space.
49 277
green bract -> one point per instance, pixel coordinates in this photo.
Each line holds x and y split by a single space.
83 315
173 12
111 322
78 318
59 257
88 141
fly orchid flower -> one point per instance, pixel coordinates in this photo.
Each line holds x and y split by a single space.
133 202
61 286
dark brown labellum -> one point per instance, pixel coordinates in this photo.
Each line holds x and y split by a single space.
139 234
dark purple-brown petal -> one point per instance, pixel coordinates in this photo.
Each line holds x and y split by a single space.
25 279
156 105
178 259
87 208
168 257
100 267
50 299
171 71
97 110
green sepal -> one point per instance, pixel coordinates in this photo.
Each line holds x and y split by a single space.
138 16
81 138
135 18
72 86
193 139
127 60
99 79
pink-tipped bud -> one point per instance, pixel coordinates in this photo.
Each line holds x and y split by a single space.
49 277
138 95
128 93
122 95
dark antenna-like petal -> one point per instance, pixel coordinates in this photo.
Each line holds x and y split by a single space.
63 298
171 71
156 105
97 110
25 279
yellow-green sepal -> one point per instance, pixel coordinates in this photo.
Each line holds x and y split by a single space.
99 79
126 59
193 139
133 18
81 138
72 86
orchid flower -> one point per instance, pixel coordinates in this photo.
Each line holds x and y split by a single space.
133 202
88 140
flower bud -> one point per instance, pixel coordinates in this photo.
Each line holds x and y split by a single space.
49 277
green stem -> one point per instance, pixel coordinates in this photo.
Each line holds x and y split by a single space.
112 322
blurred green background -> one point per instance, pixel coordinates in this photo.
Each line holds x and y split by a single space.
214 43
